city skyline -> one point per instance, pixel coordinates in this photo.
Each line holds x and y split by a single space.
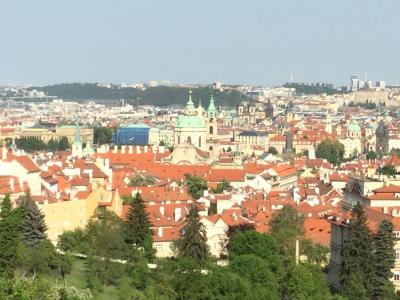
180 41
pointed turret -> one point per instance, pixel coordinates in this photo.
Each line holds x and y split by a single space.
212 110
190 110
190 103
77 144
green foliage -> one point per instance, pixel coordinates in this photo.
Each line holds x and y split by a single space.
272 150
33 226
257 244
102 135
357 260
195 185
371 155
331 150
366 105
160 95
222 186
257 271
304 282
139 180
74 241
388 170
286 226
384 257
31 144
193 241
306 89
137 227
9 236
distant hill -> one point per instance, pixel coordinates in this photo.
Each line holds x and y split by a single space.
160 96
306 89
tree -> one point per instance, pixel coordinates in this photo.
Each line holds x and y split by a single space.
33 226
331 150
222 186
258 272
140 180
195 185
9 237
388 170
371 155
272 150
286 226
384 256
63 144
102 135
255 243
357 261
305 281
193 241
137 226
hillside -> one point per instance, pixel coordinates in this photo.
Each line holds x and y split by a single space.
160 96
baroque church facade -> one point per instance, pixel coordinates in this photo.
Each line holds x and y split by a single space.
196 126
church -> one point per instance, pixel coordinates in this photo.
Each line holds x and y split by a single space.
196 126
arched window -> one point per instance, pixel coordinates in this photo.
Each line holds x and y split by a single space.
189 139
199 141
211 130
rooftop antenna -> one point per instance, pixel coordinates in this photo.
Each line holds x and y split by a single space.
291 77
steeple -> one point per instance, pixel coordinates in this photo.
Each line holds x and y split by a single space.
190 110
77 145
77 133
190 104
212 111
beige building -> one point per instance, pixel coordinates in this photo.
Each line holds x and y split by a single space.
46 134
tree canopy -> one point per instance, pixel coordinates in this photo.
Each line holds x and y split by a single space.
331 150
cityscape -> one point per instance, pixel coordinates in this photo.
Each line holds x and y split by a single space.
193 188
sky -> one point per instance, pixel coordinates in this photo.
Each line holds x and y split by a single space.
198 41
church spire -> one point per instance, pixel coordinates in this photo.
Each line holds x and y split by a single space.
212 111
190 104
77 134
77 145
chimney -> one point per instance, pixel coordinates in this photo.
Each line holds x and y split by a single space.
58 195
12 184
145 149
3 153
385 209
137 149
177 213
130 149
123 147
115 149
162 210
160 231
205 193
161 149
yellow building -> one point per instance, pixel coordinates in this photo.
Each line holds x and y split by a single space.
66 215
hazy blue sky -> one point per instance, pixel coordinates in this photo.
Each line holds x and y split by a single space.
261 42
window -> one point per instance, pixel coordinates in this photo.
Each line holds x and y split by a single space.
397 253
396 277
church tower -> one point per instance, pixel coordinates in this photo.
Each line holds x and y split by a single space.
211 124
77 144
290 112
382 137
190 110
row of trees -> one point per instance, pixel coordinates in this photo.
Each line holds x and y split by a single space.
30 144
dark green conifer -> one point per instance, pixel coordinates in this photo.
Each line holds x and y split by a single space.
193 241
33 226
